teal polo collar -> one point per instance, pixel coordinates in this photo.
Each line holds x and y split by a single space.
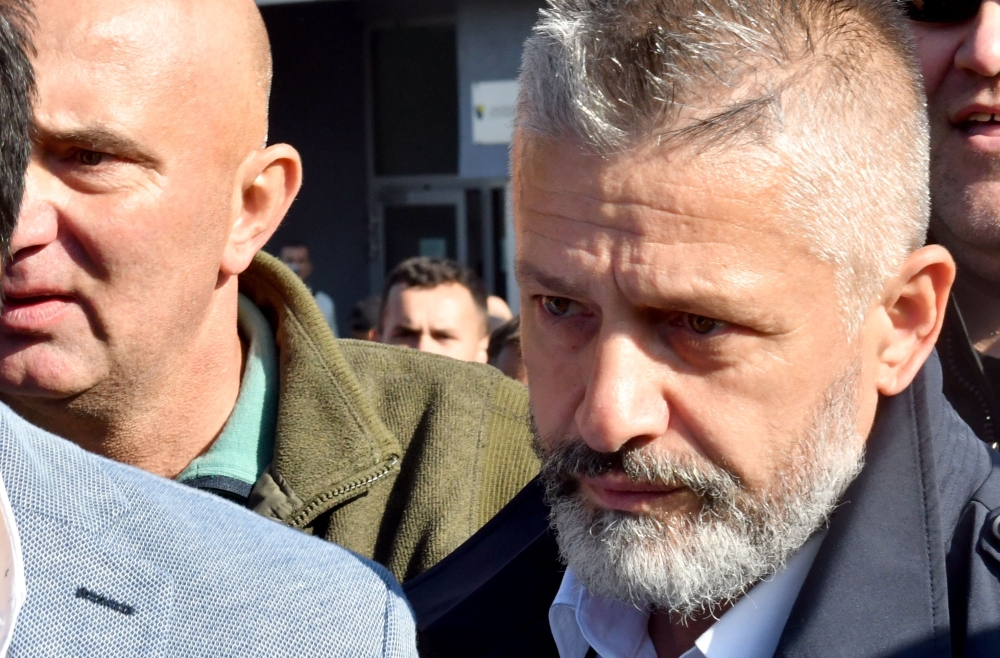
245 446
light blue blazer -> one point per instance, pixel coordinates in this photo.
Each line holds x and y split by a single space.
122 563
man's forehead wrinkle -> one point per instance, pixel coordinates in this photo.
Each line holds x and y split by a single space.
628 210
123 36
633 190
708 279
198 55
595 246
642 275
677 225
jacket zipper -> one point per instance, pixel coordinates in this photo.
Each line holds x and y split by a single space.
305 514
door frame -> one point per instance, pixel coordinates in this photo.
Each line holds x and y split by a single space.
430 190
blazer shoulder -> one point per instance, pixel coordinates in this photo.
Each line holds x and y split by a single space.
207 577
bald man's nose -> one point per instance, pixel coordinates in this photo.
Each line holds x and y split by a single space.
979 52
38 223
624 400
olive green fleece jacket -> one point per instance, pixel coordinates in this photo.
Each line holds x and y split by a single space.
395 454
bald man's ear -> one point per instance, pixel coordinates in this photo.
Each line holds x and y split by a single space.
910 317
269 179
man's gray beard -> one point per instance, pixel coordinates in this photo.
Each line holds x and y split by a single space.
690 565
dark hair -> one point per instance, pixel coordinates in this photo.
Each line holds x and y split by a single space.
509 333
365 314
17 86
423 272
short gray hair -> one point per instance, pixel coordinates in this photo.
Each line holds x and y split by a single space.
830 88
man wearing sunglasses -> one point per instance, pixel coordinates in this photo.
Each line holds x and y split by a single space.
958 42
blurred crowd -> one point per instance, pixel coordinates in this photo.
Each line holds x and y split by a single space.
748 408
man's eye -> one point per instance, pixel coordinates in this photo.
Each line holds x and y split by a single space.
701 324
89 158
557 306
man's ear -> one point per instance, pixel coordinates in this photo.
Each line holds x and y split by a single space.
912 313
482 355
270 179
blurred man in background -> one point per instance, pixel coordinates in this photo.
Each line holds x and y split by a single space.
364 318
498 312
435 305
959 47
296 257
177 346
505 350
115 560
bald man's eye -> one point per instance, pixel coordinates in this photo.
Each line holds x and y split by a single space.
560 307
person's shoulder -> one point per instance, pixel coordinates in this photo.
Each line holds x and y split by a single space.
233 581
323 579
390 363
473 419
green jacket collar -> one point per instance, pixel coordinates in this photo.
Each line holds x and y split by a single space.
330 444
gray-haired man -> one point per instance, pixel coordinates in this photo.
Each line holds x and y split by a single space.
728 320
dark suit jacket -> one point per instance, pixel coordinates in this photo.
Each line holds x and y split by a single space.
910 566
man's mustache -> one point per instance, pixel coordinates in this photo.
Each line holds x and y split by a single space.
568 460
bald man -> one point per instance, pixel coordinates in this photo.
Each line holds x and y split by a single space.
142 322
117 561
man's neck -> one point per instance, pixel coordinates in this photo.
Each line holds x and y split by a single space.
162 418
979 301
671 638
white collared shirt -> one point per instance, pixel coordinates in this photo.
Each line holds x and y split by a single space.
12 587
750 629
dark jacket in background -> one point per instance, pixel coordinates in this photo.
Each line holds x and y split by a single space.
969 385
910 566
395 454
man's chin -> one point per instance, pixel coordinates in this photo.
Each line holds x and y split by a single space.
681 563
41 373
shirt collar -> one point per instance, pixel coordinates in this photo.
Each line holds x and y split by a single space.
750 629
12 586
246 444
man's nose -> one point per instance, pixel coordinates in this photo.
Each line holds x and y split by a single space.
624 399
38 224
980 49
428 344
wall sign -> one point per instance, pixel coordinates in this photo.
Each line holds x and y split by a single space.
493 111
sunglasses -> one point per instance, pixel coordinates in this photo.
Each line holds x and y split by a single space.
942 11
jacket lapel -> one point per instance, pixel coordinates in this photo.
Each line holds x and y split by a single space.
330 444
85 592
878 586
84 584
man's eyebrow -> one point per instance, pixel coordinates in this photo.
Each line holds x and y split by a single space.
702 303
98 138
405 329
530 272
